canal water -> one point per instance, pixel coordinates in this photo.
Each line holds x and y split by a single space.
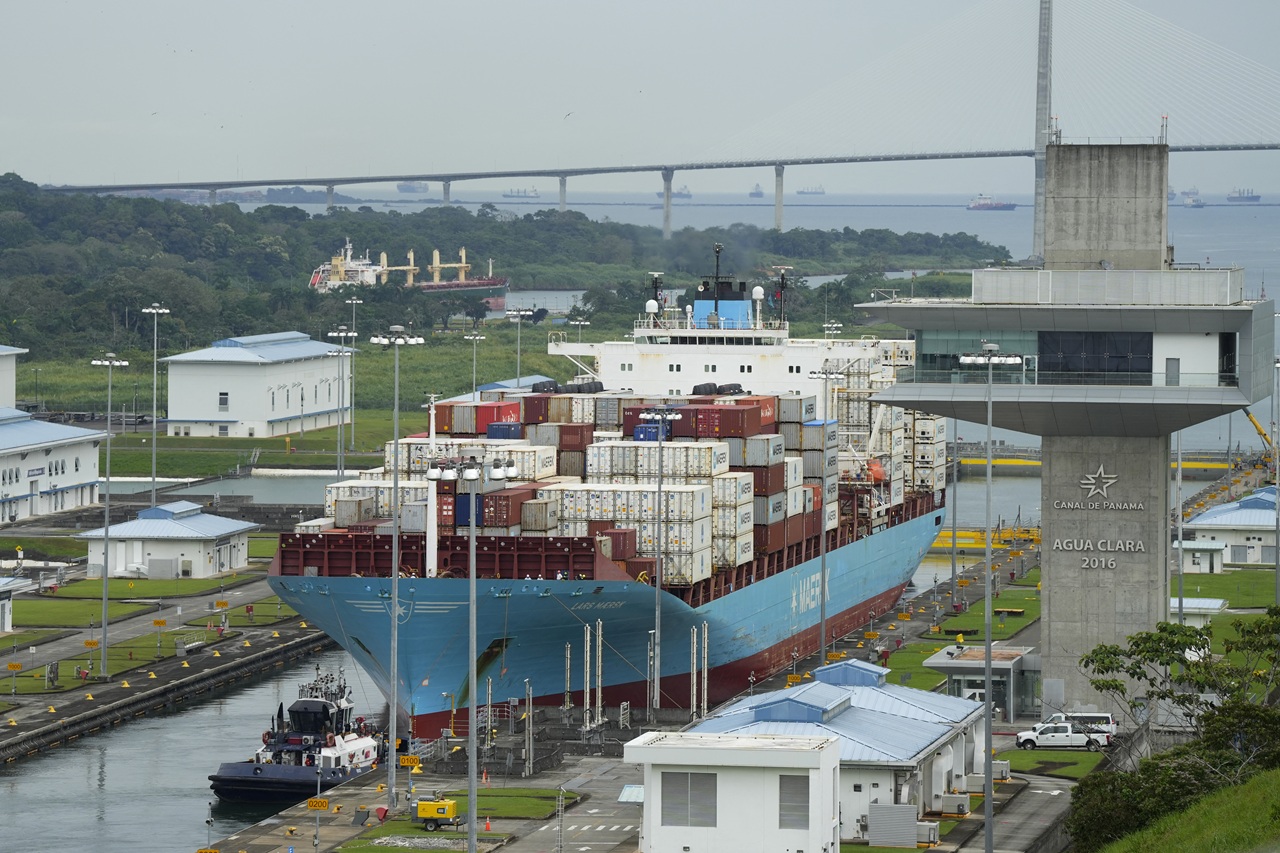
142 787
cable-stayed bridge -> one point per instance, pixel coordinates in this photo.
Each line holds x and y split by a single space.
949 93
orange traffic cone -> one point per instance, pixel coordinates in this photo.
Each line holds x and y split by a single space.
486 824
485 779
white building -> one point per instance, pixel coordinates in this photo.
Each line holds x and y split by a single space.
174 540
903 752
258 386
719 792
45 467
1240 534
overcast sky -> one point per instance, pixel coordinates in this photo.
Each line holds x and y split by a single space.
148 91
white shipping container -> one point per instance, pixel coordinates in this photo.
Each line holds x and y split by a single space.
794 471
896 491
540 514
761 451
681 537
732 520
314 525
821 463
734 488
600 503
831 513
769 509
413 516
379 473
818 435
796 408
686 569
795 500
733 550
599 461
574 528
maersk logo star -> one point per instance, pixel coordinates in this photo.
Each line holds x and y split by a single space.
1098 483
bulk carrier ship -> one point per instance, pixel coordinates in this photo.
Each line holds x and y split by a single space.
760 483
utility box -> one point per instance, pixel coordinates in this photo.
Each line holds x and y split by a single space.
954 804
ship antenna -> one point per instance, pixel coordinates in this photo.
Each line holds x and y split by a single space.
716 282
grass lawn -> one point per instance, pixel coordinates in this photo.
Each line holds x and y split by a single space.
1242 817
1003 626
266 611
50 612
1063 763
22 640
123 657
263 545
54 548
124 588
510 803
909 661
1031 578
1242 588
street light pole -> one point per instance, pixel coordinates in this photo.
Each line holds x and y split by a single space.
990 356
475 340
396 338
662 417
1275 457
343 336
473 472
519 314
155 311
579 324
109 362
826 376
351 382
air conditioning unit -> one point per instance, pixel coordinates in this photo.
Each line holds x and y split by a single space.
926 832
955 804
1000 770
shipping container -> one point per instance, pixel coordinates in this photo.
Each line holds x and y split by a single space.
504 430
770 509
767 404
794 468
797 408
540 514
732 488
727 551
686 569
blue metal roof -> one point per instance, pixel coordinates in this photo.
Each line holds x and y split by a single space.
1257 509
875 721
19 430
177 520
276 348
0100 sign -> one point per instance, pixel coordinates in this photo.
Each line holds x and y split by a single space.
1097 562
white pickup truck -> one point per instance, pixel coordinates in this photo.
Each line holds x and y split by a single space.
1062 736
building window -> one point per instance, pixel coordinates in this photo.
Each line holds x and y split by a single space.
222 430
744 368
708 368
223 400
793 802
857 786
688 799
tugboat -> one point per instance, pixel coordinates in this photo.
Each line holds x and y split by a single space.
319 733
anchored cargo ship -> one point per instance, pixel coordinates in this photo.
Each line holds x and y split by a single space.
345 270
986 202
1238 195
589 497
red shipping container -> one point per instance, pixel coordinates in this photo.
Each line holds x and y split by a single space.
728 421
492 413
768 406
770 537
686 426
444 416
642 567
812 524
502 508
536 408
624 542
768 480
795 529
444 513
576 437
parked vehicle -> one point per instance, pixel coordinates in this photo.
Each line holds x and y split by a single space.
1090 722
1062 736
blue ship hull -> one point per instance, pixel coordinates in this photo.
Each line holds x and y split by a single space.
524 627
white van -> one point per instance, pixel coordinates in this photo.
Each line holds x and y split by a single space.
1086 721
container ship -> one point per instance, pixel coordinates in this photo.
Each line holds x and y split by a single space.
1239 195
715 505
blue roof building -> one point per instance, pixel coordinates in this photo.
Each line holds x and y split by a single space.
259 386
173 540
898 745
45 467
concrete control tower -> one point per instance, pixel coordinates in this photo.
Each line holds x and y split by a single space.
1118 348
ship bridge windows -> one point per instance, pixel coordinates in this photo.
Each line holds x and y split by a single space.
674 368
745 368
709 368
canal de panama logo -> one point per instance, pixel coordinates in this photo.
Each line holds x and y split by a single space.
1099 482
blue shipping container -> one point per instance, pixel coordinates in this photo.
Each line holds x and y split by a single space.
504 430
649 432
462 507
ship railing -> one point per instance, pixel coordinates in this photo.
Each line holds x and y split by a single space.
681 323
